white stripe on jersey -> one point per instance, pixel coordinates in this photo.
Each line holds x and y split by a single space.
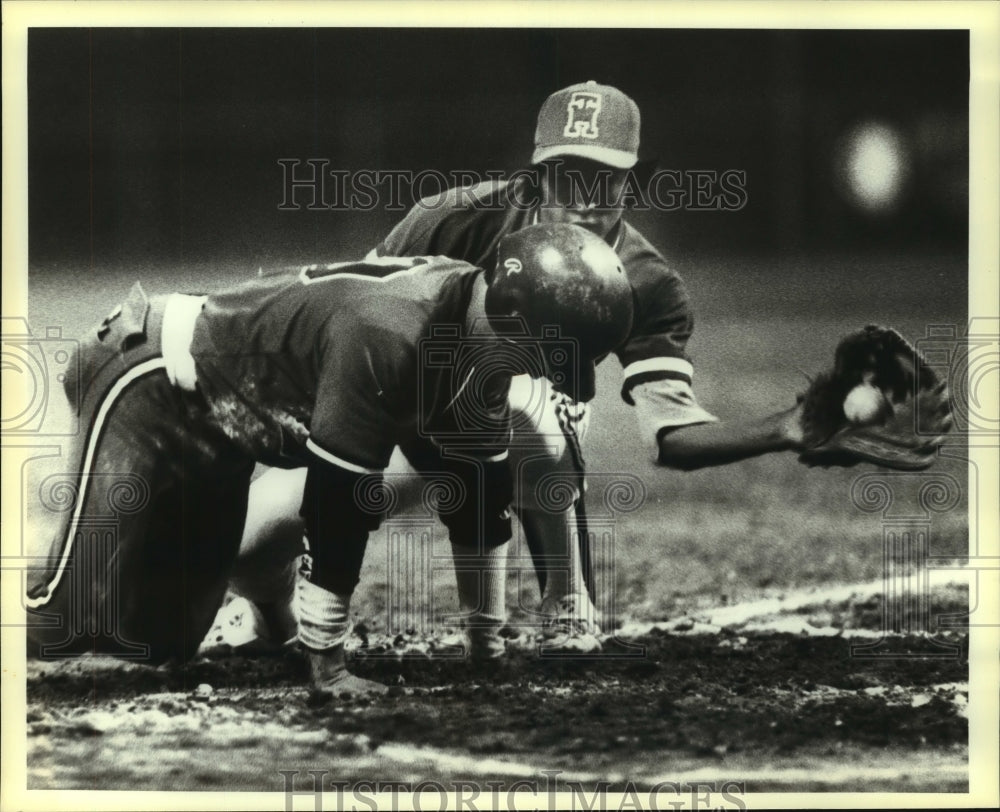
108 401
461 388
326 456
406 265
661 364
620 239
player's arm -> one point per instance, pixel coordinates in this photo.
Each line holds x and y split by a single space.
492 433
415 235
658 378
881 403
494 451
705 444
687 437
351 437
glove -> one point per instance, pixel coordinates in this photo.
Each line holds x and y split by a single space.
902 420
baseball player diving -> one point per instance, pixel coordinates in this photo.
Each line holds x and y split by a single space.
327 370
587 139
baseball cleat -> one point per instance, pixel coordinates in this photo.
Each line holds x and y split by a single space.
474 644
330 678
240 628
570 627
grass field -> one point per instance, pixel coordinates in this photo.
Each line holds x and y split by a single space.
799 711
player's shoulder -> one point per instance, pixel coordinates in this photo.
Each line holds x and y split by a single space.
414 285
639 253
459 208
392 316
486 194
650 274
644 262
461 222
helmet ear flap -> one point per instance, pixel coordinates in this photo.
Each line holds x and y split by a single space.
500 303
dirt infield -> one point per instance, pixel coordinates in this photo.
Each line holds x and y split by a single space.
766 710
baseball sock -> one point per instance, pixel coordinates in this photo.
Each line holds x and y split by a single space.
323 616
554 533
566 577
481 577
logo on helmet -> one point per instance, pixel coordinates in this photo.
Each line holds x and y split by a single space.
581 115
513 265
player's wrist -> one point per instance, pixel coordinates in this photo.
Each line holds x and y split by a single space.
790 429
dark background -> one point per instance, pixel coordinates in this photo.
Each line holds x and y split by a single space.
161 146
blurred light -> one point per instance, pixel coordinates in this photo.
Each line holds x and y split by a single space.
874 164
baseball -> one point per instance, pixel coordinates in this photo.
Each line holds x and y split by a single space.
864 404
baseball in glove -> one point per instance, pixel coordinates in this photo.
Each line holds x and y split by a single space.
882 403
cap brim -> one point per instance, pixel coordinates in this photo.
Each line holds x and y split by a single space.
619 159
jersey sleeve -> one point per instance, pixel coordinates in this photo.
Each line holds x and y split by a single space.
656 350
476 420
657 372
667 404
465 224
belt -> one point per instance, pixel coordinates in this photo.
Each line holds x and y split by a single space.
179 315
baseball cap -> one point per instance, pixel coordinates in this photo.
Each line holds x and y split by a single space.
589 120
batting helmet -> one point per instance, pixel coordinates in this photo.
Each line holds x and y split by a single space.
568 291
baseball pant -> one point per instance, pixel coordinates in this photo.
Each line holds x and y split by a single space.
548 464
157 500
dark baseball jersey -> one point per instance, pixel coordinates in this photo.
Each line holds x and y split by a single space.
468 224
347 361
342 361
